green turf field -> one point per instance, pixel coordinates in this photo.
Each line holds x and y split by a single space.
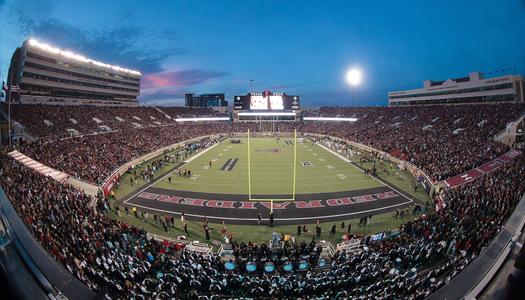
401 179
271 170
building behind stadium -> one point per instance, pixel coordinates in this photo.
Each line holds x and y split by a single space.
214 101
471 89
48 75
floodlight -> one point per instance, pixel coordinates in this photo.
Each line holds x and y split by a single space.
353 77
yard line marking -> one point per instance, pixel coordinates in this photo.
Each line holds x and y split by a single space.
199 154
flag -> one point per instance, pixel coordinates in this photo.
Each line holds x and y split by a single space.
15 88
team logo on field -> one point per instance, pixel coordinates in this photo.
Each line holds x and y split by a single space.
307 163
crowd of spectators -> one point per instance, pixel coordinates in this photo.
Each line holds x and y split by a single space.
120 261
53 122
94 158
285 251
441 140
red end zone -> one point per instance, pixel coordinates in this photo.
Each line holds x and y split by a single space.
236 209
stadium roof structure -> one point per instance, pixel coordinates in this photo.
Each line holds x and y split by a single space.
43 46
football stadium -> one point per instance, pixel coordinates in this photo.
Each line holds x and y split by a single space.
131 168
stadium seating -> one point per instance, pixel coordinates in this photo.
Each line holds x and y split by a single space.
441 140
53 122
121 261
93 158
427 136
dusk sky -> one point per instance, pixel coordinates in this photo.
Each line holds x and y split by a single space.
298 47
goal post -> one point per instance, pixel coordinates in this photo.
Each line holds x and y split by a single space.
249 169
294 176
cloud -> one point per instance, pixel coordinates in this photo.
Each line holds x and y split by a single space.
179 79
129 45
170 86
162 95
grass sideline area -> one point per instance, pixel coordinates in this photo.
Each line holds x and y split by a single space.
262 233
401 179
392 175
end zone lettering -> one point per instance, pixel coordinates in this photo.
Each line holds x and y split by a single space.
276 205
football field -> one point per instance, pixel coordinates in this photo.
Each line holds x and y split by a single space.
241 179
268 169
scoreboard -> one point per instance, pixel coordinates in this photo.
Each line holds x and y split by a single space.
266 101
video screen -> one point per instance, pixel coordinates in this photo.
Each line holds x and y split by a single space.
276 102
272 102
266 101
258 102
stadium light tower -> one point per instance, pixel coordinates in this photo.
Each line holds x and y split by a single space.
353 77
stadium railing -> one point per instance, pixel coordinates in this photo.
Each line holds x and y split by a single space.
505 135
471 282
19 278
48 272
194 246
331 249
349 246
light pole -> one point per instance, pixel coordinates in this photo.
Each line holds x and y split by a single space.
353 77
251 86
